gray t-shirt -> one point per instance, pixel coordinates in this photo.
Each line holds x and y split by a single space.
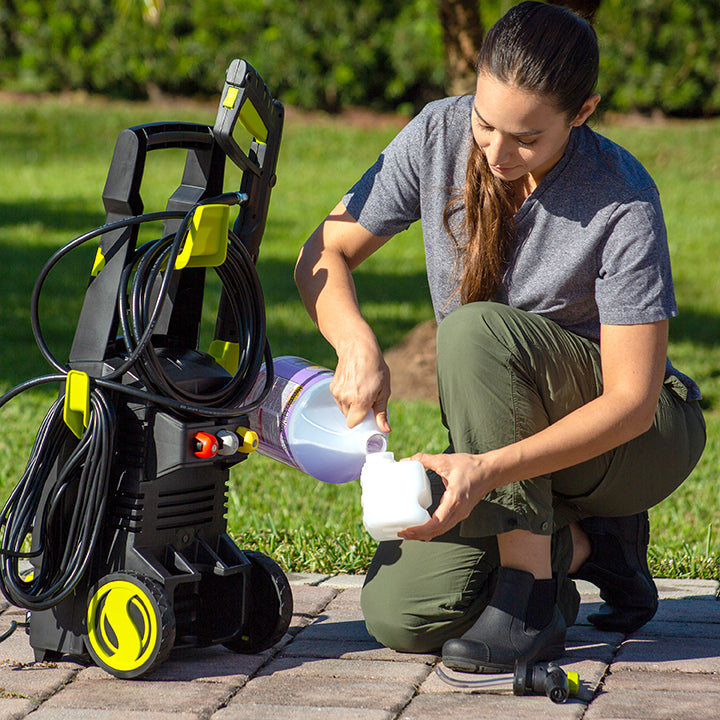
590 244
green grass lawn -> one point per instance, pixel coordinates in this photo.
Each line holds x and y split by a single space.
55 157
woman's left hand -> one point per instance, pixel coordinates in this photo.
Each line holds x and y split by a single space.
467 478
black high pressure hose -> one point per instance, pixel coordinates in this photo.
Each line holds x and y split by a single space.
81 484
138 318
80 487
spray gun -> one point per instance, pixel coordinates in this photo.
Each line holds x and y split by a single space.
550 680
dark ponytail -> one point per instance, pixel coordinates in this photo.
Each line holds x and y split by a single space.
545 50
539 48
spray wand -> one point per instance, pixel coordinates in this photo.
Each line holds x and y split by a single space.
550 680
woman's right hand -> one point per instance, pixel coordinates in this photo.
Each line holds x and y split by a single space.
362 381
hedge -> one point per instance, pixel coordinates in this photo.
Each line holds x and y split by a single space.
314 53
661 55
327 54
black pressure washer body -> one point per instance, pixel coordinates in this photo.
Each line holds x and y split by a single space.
155 567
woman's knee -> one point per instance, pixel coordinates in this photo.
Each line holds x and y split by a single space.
418 595
466 341
482 339
387 619
472 323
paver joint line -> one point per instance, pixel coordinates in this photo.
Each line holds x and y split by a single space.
674 659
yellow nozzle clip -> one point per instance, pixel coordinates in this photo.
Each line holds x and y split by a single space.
206 242
251 121
98 264
76 410
227 354
249 440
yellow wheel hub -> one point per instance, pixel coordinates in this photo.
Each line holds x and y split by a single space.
124 625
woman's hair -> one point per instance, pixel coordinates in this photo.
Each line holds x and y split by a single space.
542 49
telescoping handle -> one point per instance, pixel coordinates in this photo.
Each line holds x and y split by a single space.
246 100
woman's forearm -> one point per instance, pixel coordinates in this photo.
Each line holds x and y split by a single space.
326 287
324 278
593 429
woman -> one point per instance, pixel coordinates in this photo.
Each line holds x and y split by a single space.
550 278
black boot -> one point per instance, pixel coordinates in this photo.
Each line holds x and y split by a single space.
503 634
618 566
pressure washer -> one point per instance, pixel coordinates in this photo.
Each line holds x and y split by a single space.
121 510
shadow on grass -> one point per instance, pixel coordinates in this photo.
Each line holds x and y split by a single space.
24 253
71 216
60 302
374 288
702 331
64 291
700 328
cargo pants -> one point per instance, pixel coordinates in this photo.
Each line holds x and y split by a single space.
505 374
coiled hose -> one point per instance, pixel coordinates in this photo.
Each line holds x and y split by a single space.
77 499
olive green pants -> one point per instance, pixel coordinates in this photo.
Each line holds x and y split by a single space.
504 374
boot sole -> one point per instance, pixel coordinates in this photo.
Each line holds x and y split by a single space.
463 664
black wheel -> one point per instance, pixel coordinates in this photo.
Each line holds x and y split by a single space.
130 624
269 610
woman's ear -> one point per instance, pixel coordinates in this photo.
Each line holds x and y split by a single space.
586 110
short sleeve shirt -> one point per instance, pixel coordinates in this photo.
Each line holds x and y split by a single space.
590 242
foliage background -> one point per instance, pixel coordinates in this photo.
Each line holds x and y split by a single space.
656 54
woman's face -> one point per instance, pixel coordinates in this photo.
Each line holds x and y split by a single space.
520 133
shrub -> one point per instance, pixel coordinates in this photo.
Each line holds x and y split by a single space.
656 54
660 55
314 54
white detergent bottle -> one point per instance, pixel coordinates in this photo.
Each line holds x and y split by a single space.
300 424
395 495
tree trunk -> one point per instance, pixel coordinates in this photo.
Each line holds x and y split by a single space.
462 36
463 33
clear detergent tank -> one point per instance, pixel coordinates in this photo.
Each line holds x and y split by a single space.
300 425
